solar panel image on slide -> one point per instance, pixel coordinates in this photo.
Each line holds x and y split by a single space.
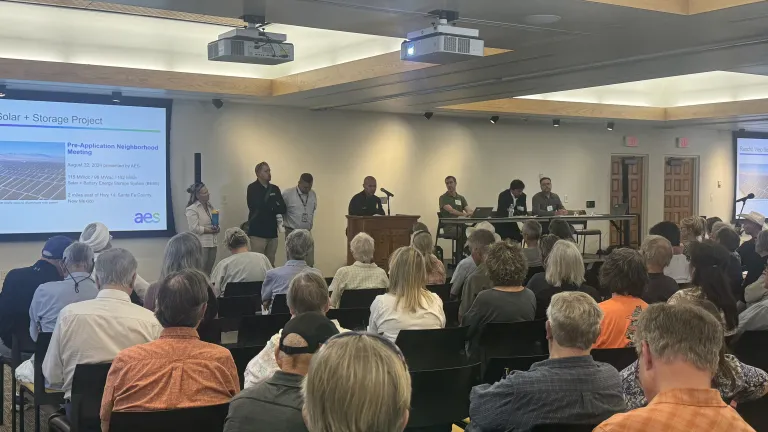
32 171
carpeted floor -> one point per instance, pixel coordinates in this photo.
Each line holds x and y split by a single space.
29 412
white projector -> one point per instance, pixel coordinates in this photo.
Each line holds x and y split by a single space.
441 44
251 45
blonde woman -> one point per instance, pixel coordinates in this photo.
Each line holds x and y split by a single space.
422 241
343 394
242 266
564 272
691 230
408 305
199 214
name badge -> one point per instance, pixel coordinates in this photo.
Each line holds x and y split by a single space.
304 218
458 202
521 208
549 208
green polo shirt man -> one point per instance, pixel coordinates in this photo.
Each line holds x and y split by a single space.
454 205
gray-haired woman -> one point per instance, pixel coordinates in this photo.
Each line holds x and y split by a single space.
242 266
200 218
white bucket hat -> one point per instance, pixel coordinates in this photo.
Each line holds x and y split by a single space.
486 226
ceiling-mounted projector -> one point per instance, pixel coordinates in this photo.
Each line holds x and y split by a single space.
442 43
251 45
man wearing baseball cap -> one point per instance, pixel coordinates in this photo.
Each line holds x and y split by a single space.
275 404
19 288
751 261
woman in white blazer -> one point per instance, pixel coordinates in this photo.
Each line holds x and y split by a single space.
199 211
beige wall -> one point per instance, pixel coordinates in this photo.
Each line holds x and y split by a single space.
410 157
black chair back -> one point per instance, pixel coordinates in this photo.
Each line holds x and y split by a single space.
754 413
441 397
433 349
280 304
619 358
497 368
203 419
87 390
351 319
564 428
451 311
514 339
241 289
443 291
41 349
532 271
211 332
234 307
258 329
752 348
359 298
242 355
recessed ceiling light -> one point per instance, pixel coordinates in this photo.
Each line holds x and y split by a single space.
611 126
2 90
495 119
556 122
542 19
116 96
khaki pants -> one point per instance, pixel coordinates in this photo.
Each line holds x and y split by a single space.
310 256
209 259
265 246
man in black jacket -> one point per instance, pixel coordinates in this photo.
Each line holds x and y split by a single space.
511 203
19 287
265 202
366 203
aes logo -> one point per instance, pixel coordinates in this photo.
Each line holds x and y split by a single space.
142 218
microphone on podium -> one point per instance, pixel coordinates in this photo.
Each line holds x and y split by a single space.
748 197
388 193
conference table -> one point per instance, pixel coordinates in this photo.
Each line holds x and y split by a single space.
620 222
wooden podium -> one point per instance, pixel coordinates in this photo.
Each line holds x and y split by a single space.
389 233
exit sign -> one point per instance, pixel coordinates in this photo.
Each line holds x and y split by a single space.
630 141
682 143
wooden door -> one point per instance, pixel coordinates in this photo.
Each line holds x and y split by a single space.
678 188
635 177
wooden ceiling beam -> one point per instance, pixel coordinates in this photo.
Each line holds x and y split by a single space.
562 109
680 7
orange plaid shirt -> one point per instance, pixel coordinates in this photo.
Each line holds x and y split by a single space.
176 371
679 410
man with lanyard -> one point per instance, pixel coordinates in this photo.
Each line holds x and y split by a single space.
511 203
265 202
454 205
300 204
546 203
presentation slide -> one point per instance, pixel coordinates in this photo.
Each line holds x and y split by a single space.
65 165
752 173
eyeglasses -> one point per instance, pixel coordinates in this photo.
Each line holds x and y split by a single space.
386 342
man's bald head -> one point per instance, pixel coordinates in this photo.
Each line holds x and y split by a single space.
369 185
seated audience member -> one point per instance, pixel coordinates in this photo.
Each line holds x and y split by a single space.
343 393
479 241
19 288
717 226
546 244
508 300
709 261
625 275
275 404
478 281
407 305
691 230
752 261
729 238
363 274
178 370
657 252
96 235
570 387
735 381
242 266
51 297
756 291
297 245
678 268
183 251
531 236
561 229
94 331
306 293
564 271
422 241
710 226
679 352
755 317
418 226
